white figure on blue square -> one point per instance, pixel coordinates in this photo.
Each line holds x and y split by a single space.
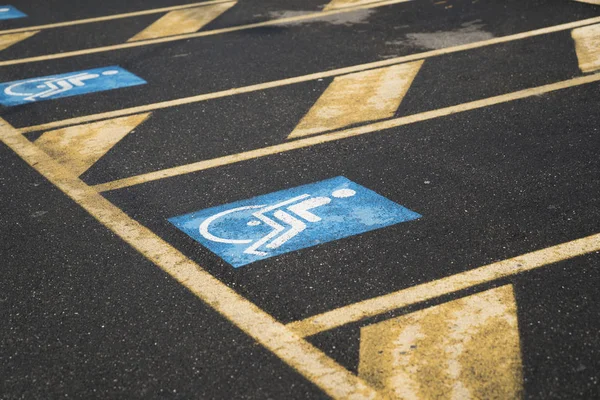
64 85
265 226
9 12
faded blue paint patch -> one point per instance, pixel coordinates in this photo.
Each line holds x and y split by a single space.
65 85
292 219
9 12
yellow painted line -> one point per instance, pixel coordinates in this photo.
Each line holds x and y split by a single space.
587 47
343 134
184 21
594 2
309 77
441 287
128 45
464 349
77 148
110 17
339 4
359 97
314 365
8 40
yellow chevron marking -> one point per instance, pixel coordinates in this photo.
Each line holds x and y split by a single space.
79 147
587 46
359 97
465 349
337 4
8 40
179 22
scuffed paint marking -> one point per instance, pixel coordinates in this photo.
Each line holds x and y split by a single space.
338 4
465 349
266 226
79 147
13 38
65 85
360 97
594 2
179 22
587 46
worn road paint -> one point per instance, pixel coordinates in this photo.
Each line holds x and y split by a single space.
594 2
587 46
9 12
184 21
343 134
464 349
265 226
274 22
359 97
307 360
12 38
305 78
79 147
109 17
64 85
445 286
338 4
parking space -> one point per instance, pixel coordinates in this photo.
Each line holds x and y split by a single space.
478 191
392 199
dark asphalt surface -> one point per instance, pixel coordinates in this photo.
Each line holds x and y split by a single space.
83 315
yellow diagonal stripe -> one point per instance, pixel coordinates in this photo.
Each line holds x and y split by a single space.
465 349
595 2
8 40
179 22
587 46
337 4
79 147
359 97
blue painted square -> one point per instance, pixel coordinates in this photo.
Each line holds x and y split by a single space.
64 85
9 12
291 219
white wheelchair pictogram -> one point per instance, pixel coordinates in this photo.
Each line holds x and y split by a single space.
284 222
41 88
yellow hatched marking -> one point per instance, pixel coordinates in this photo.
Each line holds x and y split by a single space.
110 17
587 46
464 349
359 97
184 21
305 78
343 134
79 147
313 364
441 287
8 40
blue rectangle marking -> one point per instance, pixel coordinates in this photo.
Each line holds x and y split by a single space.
265 226
65 85
9 12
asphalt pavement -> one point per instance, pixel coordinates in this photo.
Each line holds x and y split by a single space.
300 199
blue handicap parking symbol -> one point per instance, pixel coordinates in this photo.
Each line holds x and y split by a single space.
292 219
64 85
9 12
